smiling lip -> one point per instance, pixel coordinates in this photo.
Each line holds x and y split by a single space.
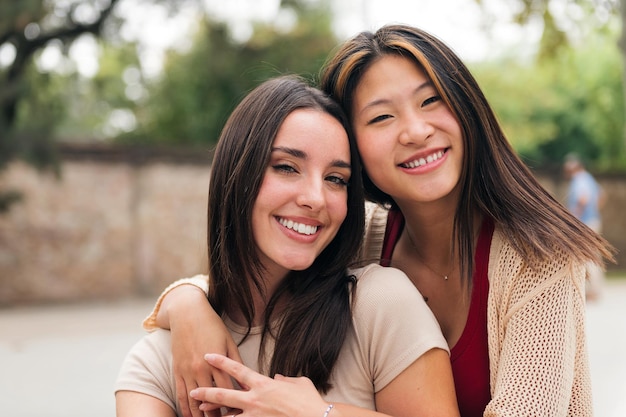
301 228
423 160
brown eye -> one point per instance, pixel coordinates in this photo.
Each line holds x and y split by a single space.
379 118
337 180
431 100
284 168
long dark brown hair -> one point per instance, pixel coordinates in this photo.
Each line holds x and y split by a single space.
317 313
494 181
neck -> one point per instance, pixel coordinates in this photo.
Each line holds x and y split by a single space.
429 231
428 234
439 258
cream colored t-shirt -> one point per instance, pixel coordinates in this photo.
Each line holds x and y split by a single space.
391 327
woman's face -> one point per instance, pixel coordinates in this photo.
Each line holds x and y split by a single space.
302 201
410 142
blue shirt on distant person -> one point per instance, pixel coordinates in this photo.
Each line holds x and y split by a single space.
584 187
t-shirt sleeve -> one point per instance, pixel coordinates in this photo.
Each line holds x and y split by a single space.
200 281
392 322
147 368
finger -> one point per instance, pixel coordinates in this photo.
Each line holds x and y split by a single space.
188 406
215 412
194 406
221 379
218 397
212 410
182 398
206 379
233 352
244 375
209 410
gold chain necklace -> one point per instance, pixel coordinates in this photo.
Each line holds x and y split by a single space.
418 256
445 276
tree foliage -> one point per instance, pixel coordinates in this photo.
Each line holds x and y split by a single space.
591 117
572 102
26 27
563 20
570 98
199 88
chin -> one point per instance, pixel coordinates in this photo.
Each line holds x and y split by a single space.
299 264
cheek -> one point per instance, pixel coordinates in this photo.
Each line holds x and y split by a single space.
372 156
367 150
338 207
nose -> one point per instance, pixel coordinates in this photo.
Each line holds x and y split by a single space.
415 128
312 195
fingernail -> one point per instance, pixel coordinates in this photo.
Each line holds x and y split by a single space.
193 393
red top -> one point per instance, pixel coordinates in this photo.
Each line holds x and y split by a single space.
470 356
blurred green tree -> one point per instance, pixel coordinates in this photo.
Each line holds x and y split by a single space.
572 102
26 27
199 88
563 21
569 24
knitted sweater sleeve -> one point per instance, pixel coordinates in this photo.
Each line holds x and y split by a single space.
375 224
200 281
536 327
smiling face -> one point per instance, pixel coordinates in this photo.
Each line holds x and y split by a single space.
410 142
302 201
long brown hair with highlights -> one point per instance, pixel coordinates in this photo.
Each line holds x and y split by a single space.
495 181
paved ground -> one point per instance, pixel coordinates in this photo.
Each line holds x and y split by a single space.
61 361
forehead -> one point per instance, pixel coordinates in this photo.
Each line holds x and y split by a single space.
392 70
388 79
315 132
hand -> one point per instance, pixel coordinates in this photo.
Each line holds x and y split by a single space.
260 395
196 329
192 371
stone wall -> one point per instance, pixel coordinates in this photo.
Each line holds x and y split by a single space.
104 229
115 225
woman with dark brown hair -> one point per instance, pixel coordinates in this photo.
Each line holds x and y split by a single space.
286 216
500 262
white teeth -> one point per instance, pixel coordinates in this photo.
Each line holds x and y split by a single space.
423 161
305 229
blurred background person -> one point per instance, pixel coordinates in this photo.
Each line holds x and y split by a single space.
585 198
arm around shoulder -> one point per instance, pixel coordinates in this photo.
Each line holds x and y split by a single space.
198 283
197 329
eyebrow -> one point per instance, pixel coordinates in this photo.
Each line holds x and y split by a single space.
373 103
297 153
